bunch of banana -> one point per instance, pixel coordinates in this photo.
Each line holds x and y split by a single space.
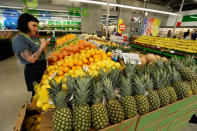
33 123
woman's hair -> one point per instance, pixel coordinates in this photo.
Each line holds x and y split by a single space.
23 22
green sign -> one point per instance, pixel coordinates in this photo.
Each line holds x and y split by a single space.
78 11
31 3
189 18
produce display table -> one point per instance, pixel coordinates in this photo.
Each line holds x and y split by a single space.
173 117
5 49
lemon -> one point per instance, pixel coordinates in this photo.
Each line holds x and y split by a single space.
39 103
45 107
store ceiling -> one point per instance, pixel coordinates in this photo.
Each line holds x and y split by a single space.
175 4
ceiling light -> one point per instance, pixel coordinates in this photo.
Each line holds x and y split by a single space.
124 6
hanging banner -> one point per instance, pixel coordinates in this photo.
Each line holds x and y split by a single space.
120 22
151 26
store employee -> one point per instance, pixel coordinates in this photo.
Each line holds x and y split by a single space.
30 50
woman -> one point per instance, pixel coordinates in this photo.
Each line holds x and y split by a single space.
169 33
30 50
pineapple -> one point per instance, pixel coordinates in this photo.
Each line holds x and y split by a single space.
100 117
128 102
62 117
193 86
115 110
160 83
152 96
186 72
181 88
141 100
169 88
82 111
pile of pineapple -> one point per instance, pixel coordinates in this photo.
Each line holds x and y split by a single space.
113 96
169 43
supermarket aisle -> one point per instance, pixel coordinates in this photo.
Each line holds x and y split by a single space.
13 94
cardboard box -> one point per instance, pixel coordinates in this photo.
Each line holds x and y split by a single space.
20 119
26 111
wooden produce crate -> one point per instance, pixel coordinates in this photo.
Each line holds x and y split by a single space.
163 116
127 125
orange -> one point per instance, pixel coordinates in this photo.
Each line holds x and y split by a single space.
65 64
75 62
80 63
109 54
74 68
91 60
60 72
79 67
96 60
70 64
66 69
88 55
85 61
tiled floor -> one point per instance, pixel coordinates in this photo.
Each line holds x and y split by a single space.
13 94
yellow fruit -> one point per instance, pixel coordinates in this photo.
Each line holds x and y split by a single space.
118 65
39 104
45 107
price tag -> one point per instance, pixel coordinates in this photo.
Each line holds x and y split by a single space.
119 52
85 68
50 102
104 48
146 93
53 75
131 58
71 98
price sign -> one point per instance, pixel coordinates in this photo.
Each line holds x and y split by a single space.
85 68
104 48
119 52
131 58
122 27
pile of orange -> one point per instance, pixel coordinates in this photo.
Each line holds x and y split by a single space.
64 39
75 62
70 50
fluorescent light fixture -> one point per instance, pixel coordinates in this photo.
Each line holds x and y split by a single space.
11 7
123 6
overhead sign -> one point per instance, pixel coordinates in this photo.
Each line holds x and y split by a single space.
151 26
189 18
122 27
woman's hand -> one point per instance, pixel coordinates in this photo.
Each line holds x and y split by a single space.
43 43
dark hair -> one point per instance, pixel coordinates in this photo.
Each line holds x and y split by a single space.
23 22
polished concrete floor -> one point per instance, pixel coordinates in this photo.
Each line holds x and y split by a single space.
13 94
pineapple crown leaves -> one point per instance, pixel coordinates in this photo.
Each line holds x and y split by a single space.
189 61
139 82
176 62
82 91
108 88
58 96
130 70
159 63
147 69
114 76
55 87
71 83
149 82
159 78
98 92
125 87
